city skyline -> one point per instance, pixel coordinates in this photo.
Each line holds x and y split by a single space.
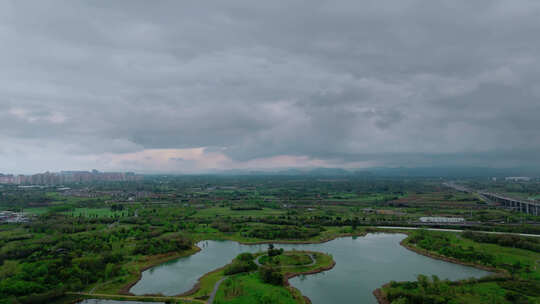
57 178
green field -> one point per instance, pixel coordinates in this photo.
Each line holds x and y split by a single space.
249 288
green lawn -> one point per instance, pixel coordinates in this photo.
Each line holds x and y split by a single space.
249 288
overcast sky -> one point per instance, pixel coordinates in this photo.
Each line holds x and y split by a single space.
192 86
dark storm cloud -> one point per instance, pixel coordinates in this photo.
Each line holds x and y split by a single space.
391 82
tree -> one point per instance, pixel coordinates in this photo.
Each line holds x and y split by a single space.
271 275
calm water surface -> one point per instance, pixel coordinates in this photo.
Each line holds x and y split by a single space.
362 265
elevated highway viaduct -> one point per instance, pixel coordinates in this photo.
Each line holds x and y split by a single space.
525 206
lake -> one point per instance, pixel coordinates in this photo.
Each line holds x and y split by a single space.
362 265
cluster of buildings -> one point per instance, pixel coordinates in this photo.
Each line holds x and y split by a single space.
12 217
517 178
65 177
7 179
441 219
115 196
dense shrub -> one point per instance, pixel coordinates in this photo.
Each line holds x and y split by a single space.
242 263
513 241
224 226
239 267
162 245
275 252
271 275
442 244
286 232
246 256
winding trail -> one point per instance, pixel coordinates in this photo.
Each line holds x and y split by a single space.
214 291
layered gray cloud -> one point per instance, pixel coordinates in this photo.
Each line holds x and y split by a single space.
114 84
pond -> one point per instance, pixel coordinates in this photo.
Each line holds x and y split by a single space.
362 265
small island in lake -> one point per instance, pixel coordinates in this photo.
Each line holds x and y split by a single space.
261 277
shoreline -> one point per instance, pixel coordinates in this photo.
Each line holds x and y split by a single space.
449 259
377 293
125 289
381 298
287 276
314 271
301 242
197 285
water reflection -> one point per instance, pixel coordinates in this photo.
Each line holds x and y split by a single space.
362 265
